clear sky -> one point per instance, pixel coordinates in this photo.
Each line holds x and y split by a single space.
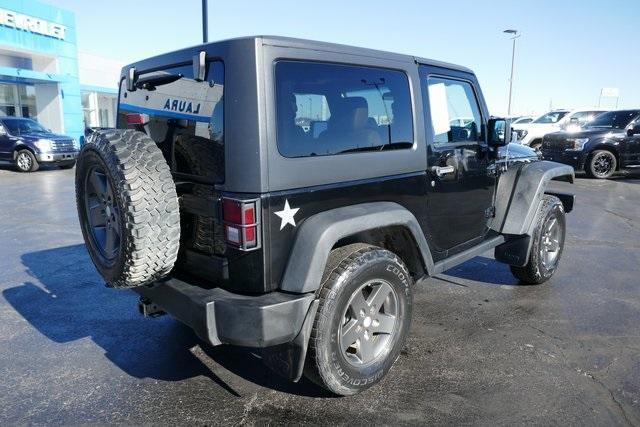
568 51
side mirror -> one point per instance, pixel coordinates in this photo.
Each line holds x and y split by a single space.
634 130
498 132
574 121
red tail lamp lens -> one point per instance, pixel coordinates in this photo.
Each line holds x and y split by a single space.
134 119
232 211
241 223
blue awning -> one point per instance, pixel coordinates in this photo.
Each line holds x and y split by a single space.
29 76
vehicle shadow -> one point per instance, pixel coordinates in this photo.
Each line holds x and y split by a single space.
628 175
67 301
8 166
481 269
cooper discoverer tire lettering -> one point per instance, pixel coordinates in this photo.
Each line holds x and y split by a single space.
128 207
362 321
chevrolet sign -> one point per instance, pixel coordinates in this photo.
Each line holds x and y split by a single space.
31 24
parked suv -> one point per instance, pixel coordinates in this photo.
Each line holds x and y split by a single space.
553 121
609 143
28 144
287 195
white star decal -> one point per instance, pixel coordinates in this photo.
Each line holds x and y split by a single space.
287 215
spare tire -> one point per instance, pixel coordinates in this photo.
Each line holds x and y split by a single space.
128 207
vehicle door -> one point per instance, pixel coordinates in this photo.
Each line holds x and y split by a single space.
461 187
6 144
633 143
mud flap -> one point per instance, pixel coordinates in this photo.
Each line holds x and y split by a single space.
515 251
288 359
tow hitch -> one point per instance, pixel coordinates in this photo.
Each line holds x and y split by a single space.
148 308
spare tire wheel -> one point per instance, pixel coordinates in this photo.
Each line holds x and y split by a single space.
128 207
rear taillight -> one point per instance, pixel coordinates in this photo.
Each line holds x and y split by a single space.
135 119
241 223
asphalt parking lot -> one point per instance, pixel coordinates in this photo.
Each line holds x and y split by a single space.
483 350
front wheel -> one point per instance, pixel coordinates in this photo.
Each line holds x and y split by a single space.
26 161
548 243
362 321
602 164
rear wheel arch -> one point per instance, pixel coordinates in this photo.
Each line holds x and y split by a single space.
362 223
394 238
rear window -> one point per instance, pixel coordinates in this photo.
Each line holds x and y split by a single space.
326 109
184 116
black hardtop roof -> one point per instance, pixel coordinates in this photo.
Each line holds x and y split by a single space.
170 57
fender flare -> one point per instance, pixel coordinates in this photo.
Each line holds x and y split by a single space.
19 148
519 193
319 233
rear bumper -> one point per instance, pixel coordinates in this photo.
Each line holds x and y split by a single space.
572 158
221 317
56 157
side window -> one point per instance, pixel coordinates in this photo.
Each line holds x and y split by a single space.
327 109
455 114
581 117
589 117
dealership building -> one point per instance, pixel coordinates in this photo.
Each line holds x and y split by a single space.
44 77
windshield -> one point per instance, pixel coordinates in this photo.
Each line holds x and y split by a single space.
20 126
551 117
613 119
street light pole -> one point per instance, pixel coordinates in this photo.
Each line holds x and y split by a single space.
513 56
205 24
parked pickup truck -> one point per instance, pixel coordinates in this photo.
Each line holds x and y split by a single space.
287 195
28 144
531 134
609 143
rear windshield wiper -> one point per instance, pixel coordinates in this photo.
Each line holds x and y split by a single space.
151 82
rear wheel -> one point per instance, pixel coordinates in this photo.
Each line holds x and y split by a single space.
26 161
602 164
128 208
548 243
362 321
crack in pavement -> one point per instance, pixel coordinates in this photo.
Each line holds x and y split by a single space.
613 398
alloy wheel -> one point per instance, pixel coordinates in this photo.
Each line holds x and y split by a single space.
550 247
102 212
369 322
602 164
24 162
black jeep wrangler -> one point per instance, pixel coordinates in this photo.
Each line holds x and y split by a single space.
286 195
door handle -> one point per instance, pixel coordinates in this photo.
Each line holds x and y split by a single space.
441 171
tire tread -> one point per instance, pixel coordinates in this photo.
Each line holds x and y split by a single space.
151 219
